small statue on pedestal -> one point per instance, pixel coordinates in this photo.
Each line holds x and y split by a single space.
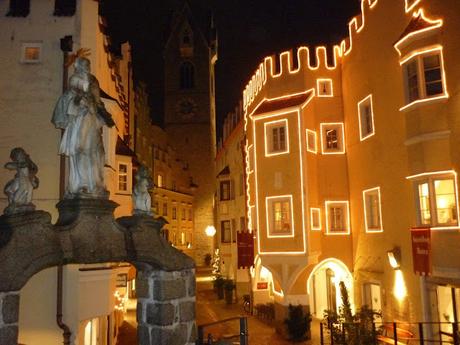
142 202
19 190
81 113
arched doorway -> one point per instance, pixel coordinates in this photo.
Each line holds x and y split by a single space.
265 286
323 286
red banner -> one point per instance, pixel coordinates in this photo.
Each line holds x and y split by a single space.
262 285
421 250
245 242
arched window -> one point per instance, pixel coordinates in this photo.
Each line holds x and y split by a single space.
187 75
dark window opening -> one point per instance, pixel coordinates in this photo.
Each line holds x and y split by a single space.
65 8
187 76
19 8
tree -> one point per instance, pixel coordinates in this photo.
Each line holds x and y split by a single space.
352 329
298 323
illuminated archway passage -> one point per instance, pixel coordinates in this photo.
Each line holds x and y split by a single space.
323 286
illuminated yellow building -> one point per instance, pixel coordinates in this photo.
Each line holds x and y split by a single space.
347 150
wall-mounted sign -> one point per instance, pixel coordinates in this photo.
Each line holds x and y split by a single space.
262 285
245 242
421 250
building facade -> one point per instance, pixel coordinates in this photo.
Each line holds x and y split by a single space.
37 35
350 152
190 54
172 196
231 198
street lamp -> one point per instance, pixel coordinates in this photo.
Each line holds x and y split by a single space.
210 231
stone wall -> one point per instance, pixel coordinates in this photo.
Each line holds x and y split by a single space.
9 314
166 307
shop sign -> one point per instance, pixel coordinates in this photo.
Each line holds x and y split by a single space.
245 242
421 250
262 285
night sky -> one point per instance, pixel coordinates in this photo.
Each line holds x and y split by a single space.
248 31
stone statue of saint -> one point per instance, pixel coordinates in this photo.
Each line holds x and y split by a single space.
81 113
142 202
19 190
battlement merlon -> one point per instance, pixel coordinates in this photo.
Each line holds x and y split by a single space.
276 66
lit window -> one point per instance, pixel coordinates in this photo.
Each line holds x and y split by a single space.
423 76
276 138
332 138
437 201
187 75
311 141
224 190
324 87
31 52
337 218
19 8
122 177
366 118
160 181
174 212
279 216
225 231
315 218
372 210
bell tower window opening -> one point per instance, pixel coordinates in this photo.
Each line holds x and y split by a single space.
19 8
187 75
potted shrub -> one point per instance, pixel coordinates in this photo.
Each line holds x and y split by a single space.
219 286
229 286
207 260
298 324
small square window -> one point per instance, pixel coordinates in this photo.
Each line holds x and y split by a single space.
366 118
315 218
276 138
311 141
280 216
31 52
19 8
372 210
332 138
337 218
324 87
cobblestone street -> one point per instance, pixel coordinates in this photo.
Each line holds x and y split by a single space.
210 309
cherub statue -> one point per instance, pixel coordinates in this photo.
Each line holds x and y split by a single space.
19 190
80 112
142 202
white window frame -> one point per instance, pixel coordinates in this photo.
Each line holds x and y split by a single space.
320 82
269 215
345 206
366 192
316 210
26 45
311 141
418 56
361 104
341 137
128 178
268 127
430 178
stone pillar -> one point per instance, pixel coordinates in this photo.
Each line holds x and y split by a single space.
166 307
9 315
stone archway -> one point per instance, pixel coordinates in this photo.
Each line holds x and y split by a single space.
85 233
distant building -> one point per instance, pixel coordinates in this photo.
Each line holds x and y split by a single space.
35 35
173 192
190 54
349 152
231 197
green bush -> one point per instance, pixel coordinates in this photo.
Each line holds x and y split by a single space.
298 323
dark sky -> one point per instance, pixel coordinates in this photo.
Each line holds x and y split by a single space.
248 31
